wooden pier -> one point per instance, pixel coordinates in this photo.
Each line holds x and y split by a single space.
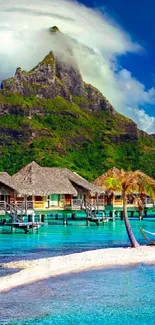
25 226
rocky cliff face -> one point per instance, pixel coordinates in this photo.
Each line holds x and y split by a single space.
52 78
56 75
41 82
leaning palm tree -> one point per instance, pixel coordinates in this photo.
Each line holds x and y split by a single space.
127 182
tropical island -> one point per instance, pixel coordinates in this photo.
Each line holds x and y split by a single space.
67 156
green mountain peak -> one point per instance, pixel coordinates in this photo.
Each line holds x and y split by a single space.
50 115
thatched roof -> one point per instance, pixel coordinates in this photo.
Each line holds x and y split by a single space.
73 178
42 181
131 181
6 180
100 181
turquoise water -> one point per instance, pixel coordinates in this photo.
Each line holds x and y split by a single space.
99 297
115 296
60 240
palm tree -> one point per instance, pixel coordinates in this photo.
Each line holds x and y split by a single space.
127 182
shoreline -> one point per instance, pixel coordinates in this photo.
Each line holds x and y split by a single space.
37 270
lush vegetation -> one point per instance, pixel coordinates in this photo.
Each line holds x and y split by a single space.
65 135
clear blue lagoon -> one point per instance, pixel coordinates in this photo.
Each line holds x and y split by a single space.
122 295
60 240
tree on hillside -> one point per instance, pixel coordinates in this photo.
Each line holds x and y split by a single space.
127 182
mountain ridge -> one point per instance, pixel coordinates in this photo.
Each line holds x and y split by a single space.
52 116
52 78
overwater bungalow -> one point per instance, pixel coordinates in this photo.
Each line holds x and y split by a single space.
113 200
114 203
44 189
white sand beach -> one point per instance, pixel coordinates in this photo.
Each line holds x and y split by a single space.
32 271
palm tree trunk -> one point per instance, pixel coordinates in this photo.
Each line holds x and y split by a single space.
140 214
130 233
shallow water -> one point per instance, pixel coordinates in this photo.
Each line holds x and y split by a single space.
6 271
59 240
99 297
112 296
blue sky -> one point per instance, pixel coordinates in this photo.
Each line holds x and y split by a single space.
113 42
138 18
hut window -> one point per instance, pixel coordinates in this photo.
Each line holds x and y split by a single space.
68 199
38 198
118 198
29 198
20 199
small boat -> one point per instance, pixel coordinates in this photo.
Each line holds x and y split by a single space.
145 232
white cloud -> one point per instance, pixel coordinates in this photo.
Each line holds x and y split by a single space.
97 42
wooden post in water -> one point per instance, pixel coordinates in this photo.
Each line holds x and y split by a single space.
145 213
33 217
65 219
141 215
103 216
73 216
121 215
87 221
97 223
12 229
113 215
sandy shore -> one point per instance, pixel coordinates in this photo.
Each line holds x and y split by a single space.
36 270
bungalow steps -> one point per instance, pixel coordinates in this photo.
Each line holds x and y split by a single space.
91 212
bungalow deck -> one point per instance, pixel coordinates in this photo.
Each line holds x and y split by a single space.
25 226
36 192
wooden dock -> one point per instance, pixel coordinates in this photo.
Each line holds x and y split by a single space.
25 226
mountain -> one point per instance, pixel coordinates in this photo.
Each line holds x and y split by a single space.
52 116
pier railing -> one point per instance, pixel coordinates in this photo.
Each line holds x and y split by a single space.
79 204
149 201
29 205
18 207
2 205
73 204
24 207
76 204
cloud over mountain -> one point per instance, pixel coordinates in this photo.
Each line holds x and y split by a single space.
97 42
